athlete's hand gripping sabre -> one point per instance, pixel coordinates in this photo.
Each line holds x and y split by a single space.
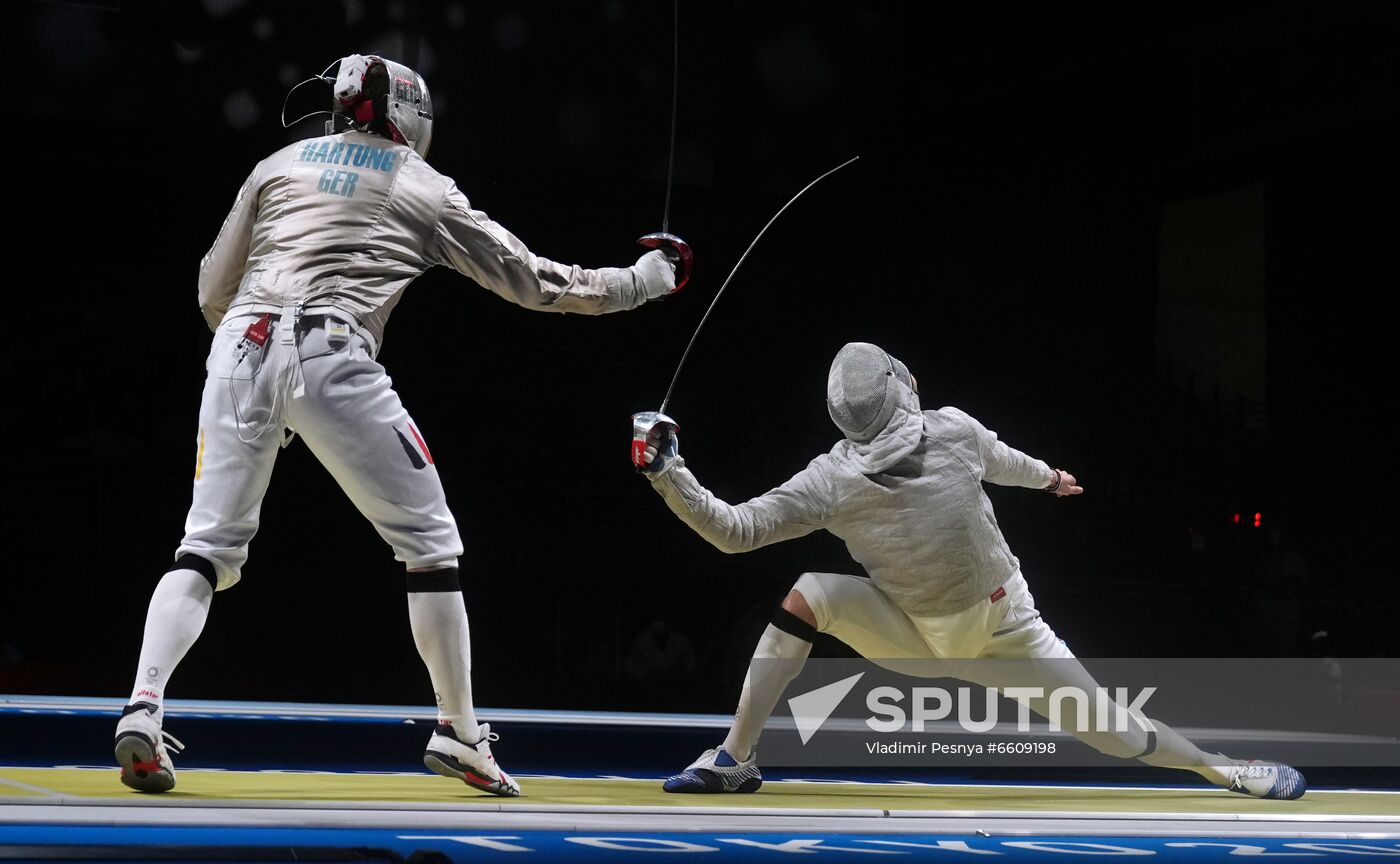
655 442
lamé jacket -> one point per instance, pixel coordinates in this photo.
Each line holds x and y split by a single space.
347 221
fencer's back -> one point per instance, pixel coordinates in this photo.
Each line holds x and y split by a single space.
343 220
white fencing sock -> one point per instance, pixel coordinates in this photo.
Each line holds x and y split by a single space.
174 620
781 651
438 616
1167 748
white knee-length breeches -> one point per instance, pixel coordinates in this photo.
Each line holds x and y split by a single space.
326 386
859 614
1009 628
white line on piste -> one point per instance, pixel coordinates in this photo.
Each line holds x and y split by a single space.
47 793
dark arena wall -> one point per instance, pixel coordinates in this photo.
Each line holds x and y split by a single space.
1151 243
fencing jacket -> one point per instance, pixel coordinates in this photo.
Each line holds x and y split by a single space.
347 221
909 505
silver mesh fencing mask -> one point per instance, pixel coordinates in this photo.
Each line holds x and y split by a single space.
863 389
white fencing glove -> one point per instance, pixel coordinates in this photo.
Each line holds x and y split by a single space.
677 251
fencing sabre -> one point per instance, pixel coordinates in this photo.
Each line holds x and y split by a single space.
676 248
645 422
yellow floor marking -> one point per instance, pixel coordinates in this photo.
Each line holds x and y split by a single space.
195 785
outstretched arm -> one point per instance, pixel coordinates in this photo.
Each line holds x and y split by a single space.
794 509
798 507
471 243
1006 466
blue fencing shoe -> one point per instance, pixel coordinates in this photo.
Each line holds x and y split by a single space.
717 771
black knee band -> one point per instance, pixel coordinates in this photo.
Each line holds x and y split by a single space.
202 566
792 625
1151 746
428 581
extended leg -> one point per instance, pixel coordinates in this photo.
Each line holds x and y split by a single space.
1045 662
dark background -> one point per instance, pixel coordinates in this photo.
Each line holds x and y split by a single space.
1152 243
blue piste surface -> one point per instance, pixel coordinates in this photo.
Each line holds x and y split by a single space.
287 844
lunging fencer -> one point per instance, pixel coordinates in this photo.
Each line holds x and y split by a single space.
903 489
321 242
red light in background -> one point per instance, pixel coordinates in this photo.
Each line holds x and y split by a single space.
1237 518
1258 519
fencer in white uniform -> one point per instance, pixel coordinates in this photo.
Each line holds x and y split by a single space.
904 490
321 242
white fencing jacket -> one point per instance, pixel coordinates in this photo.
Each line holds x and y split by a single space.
909 505
347 221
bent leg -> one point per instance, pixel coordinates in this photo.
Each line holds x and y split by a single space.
231 472
233 462
860 615
846 607
232 468
174 619
781 652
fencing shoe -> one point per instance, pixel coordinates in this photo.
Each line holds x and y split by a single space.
473 764
1266 780
717 771
140 747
